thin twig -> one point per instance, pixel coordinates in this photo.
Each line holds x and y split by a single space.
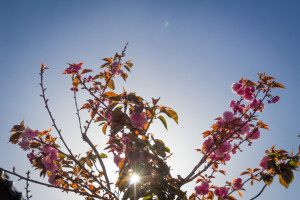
27 186
261 191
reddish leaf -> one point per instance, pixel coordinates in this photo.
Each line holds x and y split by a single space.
86 71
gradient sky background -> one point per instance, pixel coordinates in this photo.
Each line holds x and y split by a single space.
190 64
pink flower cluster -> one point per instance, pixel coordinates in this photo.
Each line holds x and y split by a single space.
274 99
237 184
202 189
264 162
74 68
138 120
53 180
115 69
31 156
221 192
257 104
50 156
236 107
254 134
246 92
27 135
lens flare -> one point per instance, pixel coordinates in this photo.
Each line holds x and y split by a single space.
166 25
134 178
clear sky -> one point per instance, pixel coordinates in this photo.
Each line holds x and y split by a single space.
186 52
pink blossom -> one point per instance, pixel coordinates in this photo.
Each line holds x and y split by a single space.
53 154
207 144
255 104
224 148
115 71
227 157
249 93
234 148
228 116
253 135
202 189
117 159
264 162
220 123
74 68
24 144
236 107
29 134
31 156
275 99
52 179
214 156
125 139
46 149
138 120
222 192
237 184
246 128
49 166
236 87
115 64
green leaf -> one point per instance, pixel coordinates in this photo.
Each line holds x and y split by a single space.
167 149
103 155
282 182
163 120
293 163
159 143
60 155
172 114
287 176
89 163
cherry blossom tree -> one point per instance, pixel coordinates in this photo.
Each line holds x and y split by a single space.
140 156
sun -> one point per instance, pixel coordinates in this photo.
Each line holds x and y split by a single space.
134 178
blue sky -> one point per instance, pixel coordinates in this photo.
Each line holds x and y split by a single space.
190 64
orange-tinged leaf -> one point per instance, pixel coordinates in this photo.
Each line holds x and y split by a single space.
144 138
110 94
222 171
104 129
87 105
243 173
108 60
93 113
14 138
111 84
278 85
240 194
265 126
230 197
74 185
86 71
121 164
256 169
